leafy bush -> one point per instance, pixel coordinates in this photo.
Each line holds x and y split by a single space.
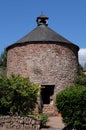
43 118
71 102
3 59
81 79
17 95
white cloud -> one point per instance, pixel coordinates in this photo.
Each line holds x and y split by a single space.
82 56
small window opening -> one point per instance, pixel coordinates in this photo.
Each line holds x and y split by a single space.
47 92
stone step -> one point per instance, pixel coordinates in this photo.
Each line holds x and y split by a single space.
49 110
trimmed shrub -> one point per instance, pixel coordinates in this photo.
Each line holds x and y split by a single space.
71 102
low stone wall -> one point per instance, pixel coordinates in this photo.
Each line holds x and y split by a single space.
21 123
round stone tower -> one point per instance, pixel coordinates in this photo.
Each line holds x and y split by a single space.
46 58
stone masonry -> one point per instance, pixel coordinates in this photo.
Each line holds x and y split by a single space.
20 123
44 63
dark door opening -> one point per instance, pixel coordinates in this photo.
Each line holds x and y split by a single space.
47 92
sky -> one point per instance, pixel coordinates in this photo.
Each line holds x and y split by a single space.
66 17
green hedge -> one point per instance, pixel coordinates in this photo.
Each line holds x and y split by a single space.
71 102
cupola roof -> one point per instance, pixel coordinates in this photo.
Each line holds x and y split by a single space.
42 19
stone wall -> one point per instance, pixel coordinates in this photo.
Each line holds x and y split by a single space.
21 123
44 63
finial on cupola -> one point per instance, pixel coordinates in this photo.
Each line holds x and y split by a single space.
42 20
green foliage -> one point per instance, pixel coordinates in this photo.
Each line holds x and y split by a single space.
43 118
17 95
2 71
80 69
71 102
3 59
81 78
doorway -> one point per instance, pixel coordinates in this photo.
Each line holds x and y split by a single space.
47 92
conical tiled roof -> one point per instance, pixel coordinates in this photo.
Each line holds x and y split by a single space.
42 33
